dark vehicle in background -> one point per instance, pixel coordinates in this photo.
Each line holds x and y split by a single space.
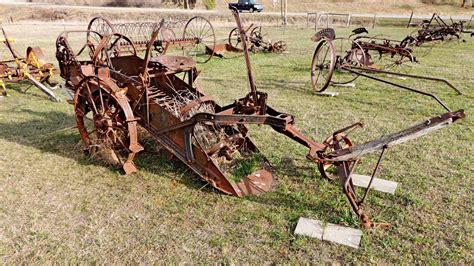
247 5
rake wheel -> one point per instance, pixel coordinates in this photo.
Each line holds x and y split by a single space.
103 119
333 145
323 64
98 25
279 47
200 28
234 39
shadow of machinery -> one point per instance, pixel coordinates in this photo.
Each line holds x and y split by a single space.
55 132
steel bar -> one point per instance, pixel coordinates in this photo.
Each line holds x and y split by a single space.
409 76
350 69
374 175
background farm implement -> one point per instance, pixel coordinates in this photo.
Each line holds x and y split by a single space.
436 30
257 40
32 68
197 39
340 61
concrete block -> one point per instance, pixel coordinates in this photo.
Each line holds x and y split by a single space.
309 227
378 184
342 235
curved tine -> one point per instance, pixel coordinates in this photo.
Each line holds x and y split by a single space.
149 45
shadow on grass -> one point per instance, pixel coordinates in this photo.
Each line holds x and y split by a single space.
55 132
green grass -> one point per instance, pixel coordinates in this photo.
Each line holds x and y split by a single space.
58 205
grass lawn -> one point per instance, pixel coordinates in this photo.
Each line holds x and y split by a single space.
57 204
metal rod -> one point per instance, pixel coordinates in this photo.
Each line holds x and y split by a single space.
374 174
351 171
243 36
7 43
410 76
409 21
399 86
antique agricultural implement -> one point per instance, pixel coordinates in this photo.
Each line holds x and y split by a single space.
197 39
436 30
32 68
381 51
256 39
351 59
115 92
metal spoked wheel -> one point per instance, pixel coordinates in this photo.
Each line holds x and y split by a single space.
257 32
234 39
279 47
256 39
102 120
343 143
99 25
323 64
400 62
201 29
167 34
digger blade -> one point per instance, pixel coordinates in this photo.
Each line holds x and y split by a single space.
43 88
257 183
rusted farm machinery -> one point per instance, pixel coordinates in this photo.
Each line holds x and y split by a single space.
436 30
32 67
256 41
116 91
382 52
197 39
351 59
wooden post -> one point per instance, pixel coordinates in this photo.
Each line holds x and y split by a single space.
373 23
286 12
316 21
281 11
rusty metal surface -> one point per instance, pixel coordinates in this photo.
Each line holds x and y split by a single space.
436 30
196 39
32 67
356 55
256 41
115 92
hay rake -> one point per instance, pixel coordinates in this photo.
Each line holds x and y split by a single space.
32 68
197 39
115 92
351 59
435 30
381 51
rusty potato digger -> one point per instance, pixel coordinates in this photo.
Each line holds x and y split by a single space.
32 68
116 91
